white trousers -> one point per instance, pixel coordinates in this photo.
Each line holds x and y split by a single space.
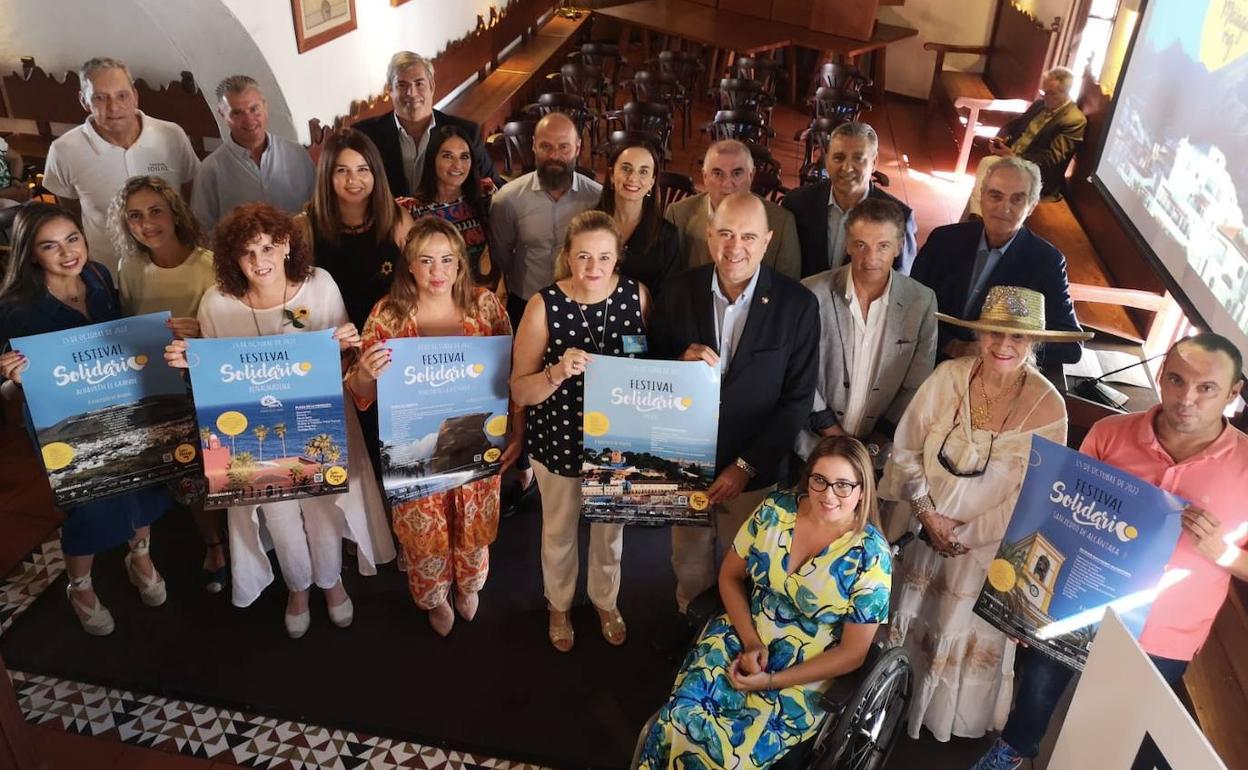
561 515
307 537
694 558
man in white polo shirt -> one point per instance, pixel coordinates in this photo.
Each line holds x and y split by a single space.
89 164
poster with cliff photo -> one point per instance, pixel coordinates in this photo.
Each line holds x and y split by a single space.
109 414
1084 536
271 417
650 430
442 413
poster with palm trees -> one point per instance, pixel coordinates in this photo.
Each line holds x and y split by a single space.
272 418
1085 536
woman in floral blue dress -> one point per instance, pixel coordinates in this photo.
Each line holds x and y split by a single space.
819 574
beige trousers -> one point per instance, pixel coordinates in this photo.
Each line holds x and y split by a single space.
694 557
561 515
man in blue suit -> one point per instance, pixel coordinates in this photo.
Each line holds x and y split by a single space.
960 262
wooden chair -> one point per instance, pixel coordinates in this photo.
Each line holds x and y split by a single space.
651 117
33 94
842 76
740 94
586 81
1017 55
517 140
767 72
673 186
663 87
838 104
687 66
575 107
742 125
607 57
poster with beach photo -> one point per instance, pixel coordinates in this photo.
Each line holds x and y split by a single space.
271 416
650 430
1084 536
109 415
442 413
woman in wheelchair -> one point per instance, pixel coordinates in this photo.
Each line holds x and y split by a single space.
805 586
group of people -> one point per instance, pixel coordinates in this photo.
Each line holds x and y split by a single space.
868 386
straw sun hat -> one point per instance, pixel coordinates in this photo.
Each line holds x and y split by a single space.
1015 310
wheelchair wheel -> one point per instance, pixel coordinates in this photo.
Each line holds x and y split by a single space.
863 734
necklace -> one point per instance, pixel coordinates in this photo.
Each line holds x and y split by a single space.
256 320
981 416
598 344
69 299
362 227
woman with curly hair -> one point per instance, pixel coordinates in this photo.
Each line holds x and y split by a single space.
446 535
166 266
267 284
819 574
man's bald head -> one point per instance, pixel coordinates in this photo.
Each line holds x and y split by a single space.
737 237
556 146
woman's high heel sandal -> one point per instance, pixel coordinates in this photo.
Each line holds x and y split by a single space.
151 589
214 581
97 620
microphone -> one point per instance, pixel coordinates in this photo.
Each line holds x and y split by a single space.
1096 390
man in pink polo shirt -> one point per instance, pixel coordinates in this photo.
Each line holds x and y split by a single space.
1184 446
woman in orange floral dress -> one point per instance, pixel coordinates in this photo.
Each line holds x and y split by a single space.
445 536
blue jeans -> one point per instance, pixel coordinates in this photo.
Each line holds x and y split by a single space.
1041 682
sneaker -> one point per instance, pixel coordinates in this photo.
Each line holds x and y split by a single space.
1000 757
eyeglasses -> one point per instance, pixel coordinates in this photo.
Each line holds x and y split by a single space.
947 464
840 487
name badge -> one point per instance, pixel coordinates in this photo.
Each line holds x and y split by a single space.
634 343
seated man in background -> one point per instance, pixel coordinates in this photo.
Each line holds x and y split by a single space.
877 336
961 261
728 168
402 134
251 165
1047 134
821 209
88 164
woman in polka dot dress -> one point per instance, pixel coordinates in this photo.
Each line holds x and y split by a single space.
589 310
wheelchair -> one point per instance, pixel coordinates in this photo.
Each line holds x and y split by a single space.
865 709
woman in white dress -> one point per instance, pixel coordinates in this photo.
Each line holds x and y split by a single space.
266 284
959 457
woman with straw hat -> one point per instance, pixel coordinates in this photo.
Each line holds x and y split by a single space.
959 456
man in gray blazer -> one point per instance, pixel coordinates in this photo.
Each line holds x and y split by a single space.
729 168
878 334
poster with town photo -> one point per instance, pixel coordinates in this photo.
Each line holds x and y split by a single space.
650 429
442 413
109 414
271 416
1084 536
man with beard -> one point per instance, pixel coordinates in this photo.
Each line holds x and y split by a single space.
821 208
251 164
402 134
530 214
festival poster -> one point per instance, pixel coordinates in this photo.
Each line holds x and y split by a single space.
271 416
109 415
442 412
1084 536
650 429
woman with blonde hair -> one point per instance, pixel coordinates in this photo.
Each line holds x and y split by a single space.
589 310
166 266
445 536
959 456
805 587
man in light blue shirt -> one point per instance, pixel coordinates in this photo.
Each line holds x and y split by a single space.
251 164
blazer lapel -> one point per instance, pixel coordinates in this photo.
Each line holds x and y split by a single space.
819 222
844 320
961 269
704 311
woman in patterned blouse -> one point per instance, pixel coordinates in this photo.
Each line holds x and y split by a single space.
446 535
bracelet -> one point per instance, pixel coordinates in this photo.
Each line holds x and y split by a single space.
922 505
549 379
743 465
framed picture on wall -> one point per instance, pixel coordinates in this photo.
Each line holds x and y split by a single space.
396 3
319 21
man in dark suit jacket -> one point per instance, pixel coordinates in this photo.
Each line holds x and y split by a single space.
960 262
402 133
821 208
1047 134
761 329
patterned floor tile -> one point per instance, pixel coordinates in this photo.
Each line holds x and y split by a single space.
194 729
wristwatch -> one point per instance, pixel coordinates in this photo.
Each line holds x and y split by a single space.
743 465
873 449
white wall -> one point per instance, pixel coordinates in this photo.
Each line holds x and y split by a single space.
215 38
322 82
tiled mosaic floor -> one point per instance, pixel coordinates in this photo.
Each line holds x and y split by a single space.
193 729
